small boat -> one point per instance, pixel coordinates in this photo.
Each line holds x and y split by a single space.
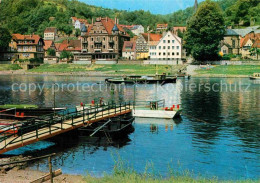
159 78
255 76
114 127
156 109
21 112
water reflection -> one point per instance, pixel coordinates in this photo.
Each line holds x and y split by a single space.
218 134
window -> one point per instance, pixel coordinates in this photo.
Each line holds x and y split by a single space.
164 47
173 47
159 53
178 53
160 47
233 43
104 38
168 53
178 47
172 41
169 41
164 53
164 41
169 47
172 53
224 51
92 39
104 46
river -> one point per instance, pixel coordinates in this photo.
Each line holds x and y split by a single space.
217 136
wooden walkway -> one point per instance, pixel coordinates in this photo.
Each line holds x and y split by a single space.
60 124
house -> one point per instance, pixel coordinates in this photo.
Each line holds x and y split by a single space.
135 29
24 47
78 22
177 29
160 28
129 50
142 44
102 42
73 46
168 48
49 59
50 33
233 38
247 43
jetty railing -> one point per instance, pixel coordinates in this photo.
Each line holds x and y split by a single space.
33 128
149 104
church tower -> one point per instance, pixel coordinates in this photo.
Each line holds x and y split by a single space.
195 6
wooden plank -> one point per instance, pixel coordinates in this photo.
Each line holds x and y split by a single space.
47 176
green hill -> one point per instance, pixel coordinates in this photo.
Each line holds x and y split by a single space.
33 16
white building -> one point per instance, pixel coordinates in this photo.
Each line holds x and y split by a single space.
137 29
168 48
129 50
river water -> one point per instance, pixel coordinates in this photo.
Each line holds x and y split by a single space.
217 136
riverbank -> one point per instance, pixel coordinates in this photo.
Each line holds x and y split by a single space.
227 71
95 70
27 175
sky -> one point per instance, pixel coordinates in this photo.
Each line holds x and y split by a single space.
154 6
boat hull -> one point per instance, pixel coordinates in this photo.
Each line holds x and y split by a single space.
156 114
144 81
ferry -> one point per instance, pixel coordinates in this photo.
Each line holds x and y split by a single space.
255 76
158 78
156 109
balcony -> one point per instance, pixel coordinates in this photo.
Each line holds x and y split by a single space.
85 41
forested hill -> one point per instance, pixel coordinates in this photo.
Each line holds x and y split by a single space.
28 16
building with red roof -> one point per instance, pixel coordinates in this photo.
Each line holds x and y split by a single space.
24 47
103 40
129 50
160 28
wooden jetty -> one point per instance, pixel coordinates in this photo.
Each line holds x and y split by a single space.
44 127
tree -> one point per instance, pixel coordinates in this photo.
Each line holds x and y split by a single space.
51 52
204 32
77 32
5 38
255 51
66 54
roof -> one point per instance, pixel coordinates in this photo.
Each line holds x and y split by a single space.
251 36
70 45
256 44
152 37
242 32
162 25
115 28
50 29
109 24
81 20
129 44
47 44
84 28
34 37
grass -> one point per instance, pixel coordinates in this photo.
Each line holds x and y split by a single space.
107 69
231 70
8 67
121 174
19 106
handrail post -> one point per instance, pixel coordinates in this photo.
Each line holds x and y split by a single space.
88 113
102 111
120 106
37 131
50 127
83 114
72 120
115 108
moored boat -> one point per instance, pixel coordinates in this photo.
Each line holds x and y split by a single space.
255 76
159 78
155 109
